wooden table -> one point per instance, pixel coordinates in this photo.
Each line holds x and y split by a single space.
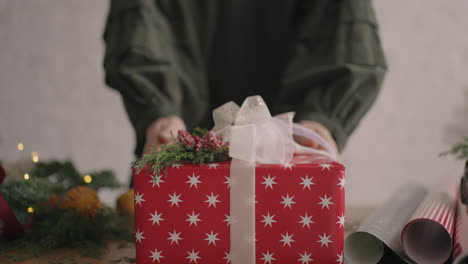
124 252
116 252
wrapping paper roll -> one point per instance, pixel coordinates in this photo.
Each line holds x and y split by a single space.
380 232
427 237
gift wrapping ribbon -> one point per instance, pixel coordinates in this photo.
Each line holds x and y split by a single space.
255 136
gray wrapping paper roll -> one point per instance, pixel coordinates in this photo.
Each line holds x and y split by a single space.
383 227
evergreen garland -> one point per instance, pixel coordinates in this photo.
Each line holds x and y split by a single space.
66 175
58 226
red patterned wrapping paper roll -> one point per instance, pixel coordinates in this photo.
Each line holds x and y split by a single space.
427 237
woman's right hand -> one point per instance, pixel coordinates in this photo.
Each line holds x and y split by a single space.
159 132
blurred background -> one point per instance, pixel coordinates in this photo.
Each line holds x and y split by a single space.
54 100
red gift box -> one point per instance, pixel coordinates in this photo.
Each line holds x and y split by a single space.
184 216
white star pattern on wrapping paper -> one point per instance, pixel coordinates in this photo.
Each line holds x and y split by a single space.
325 166
193 181
268 257
193 218
341 220
228 181
287 166
139 236
156 218
324 240
212 238
156 180
325 201
227 257
268 219
306 220
287 239
193 256
340 258
229 220
305 258
175 199
213 165
342 183
212 200
307 182
287 201
139 198
176 165
174 237
269 181
156 255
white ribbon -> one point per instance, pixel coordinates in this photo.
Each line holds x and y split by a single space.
255 136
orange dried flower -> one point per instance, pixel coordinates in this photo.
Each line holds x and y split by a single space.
126 204
84 199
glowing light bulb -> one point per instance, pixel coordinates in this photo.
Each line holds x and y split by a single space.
87 178
30 210
35 157
20 146
26 176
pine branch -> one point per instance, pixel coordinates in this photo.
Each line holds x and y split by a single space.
199 132
54 226
22 194
66 228
200 147
459 150
66 174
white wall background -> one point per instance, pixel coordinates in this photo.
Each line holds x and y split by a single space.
54 100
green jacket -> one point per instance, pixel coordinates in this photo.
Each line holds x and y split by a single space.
320 58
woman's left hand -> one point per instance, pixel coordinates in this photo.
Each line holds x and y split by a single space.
319 129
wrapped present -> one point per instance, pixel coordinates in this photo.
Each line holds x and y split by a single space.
274 202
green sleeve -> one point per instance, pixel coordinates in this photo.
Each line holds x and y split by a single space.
336 67
147 64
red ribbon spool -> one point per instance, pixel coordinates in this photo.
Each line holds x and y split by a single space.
2 174
12 228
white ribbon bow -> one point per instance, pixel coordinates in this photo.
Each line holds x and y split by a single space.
256 136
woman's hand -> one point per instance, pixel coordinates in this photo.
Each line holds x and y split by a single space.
159 132
319 129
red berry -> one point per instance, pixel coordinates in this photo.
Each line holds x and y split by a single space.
186 139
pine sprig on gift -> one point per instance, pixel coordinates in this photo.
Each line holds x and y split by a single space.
199 132
460 150
198 147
